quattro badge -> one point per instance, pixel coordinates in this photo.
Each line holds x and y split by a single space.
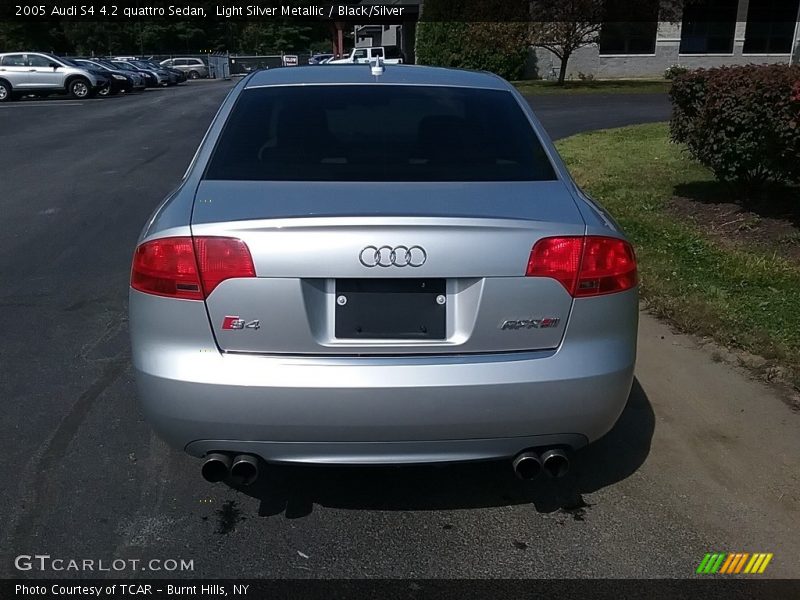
544 323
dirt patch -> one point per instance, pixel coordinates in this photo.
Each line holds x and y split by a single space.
731 224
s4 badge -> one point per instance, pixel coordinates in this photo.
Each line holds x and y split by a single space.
238 323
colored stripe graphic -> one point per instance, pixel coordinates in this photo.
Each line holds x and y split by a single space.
734 563
740 563
757 566
711 563
718 564
727 564
764 564
752 563
703 563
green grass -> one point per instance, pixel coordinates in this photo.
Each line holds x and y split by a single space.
743 297
611 86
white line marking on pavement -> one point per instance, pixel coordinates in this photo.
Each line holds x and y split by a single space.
21 104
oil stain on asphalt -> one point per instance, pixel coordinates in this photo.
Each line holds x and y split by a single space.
227 517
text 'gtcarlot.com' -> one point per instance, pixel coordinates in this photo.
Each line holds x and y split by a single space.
44 562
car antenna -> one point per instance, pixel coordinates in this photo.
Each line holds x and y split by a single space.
376 66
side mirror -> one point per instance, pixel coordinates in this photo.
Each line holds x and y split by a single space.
54 65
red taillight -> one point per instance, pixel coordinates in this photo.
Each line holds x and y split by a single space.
608 266
222 258
559 258
178 268
585 266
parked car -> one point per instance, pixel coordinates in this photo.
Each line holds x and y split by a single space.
165 77
366 55
139 78
425 284
317 59
176 74
41 74
150 79
155 78
194 68
171 77
120 81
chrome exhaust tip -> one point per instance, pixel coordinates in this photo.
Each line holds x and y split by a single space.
555 463
244 470
216 467
527 465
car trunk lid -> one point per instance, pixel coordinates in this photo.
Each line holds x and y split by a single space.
370 269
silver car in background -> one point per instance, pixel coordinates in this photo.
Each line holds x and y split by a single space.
194 68
38 73
380 265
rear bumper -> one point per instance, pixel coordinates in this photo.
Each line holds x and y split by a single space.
358 410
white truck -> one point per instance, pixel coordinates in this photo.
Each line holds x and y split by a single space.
365 56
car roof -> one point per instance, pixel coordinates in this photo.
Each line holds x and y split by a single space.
361 74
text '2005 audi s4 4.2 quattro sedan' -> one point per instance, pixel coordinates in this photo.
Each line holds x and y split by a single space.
369 265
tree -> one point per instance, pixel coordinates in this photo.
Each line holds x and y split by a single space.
564 37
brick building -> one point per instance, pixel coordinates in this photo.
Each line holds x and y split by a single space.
710 33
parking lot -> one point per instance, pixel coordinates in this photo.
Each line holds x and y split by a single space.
703 459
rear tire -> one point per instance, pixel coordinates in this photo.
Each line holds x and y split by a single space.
194 75
79 89
5 91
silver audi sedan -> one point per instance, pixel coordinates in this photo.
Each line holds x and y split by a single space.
380 265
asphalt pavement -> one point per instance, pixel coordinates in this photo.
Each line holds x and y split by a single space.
703 459
567 115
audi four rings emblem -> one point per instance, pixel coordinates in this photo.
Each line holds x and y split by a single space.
399 256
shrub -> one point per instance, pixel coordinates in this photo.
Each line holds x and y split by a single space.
743 123
675 70
472 43
497 47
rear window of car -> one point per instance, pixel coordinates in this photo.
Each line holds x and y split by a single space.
378 133
13 60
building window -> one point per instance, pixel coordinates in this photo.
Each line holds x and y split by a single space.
629 29
770 26
709 27
628 38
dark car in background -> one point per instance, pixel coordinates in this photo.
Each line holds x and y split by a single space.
170 78
153 78
118 80
180 76
138 78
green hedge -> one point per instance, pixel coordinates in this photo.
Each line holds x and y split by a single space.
743 123
497 47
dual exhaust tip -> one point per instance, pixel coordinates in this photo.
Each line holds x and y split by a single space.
241 469
527 465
